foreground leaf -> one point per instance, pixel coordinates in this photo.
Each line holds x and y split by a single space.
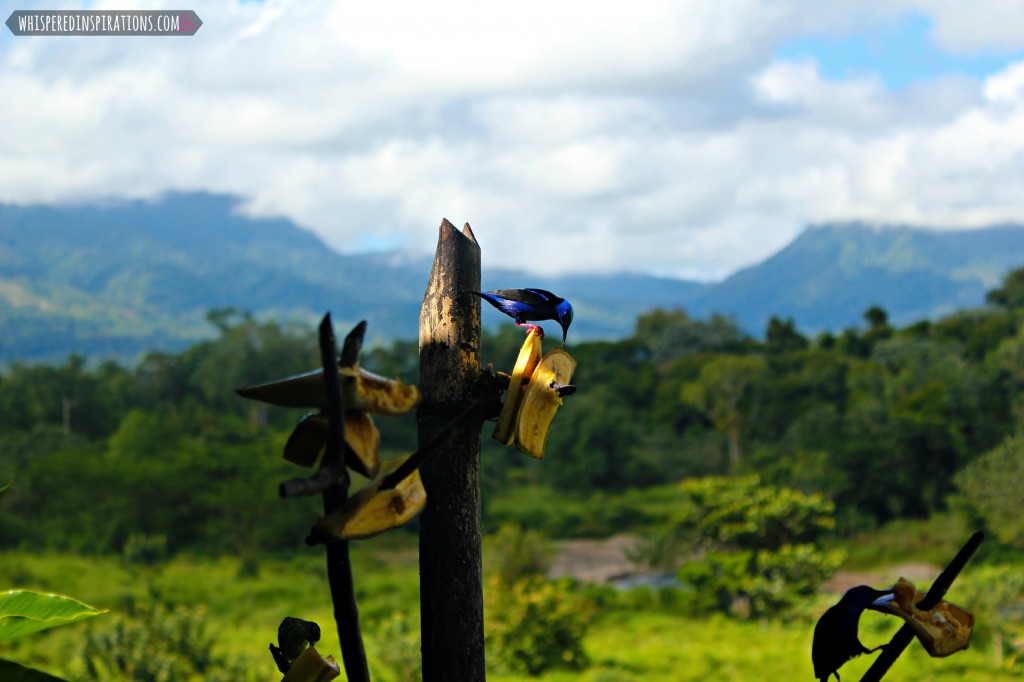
13 672
23 612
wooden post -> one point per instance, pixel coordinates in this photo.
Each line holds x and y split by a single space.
451 586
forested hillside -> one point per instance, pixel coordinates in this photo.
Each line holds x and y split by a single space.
879 419
116 280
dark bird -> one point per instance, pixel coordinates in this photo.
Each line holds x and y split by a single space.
293 636
524 305
835 635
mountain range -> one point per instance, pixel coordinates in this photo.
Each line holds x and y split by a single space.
117 279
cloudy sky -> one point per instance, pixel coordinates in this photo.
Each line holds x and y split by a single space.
685 138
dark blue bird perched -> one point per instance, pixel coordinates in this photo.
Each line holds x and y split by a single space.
293 636
524 305
835 635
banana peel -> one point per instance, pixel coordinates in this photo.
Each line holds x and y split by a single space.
364 392
942 630
310 666
542 400
372 511
308 442
526 363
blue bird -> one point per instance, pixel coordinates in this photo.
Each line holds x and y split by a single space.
530 304
835 635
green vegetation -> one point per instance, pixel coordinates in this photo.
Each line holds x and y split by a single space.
630 636
152 492
746 548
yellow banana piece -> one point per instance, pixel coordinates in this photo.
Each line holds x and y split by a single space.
372 511
310 666
942 630
542 401
308 442
364 391
526 363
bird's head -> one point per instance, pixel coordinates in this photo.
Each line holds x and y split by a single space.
866 597
564 310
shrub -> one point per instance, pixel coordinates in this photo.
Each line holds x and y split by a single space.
157 644
396 643
534 625
990 491
749 549
514 553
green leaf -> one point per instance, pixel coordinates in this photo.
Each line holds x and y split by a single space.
12 672
4 489
23 612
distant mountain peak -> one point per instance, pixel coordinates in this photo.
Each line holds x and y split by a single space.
123 277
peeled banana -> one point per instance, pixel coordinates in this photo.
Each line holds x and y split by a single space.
364 391
372 511
526 363
534 395
942 630
310 666
542 400
308 442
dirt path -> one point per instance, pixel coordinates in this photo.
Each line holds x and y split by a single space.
921 575
606 561
595 561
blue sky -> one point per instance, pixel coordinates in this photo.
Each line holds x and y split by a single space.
900 50
677 137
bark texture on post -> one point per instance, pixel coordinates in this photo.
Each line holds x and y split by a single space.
451 587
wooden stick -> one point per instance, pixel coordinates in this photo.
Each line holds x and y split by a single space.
339 566
428 448
905 635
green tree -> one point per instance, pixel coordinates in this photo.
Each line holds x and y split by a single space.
990 490
782 336
671 334
1010 294
749 542
723 392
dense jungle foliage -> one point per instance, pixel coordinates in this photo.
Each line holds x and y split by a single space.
883 422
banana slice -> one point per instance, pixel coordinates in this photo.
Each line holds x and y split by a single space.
526 363
364 391
308 442
943 630
310 666
372 511
542 401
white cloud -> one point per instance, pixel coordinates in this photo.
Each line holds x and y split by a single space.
660 136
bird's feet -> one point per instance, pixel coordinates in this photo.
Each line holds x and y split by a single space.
531 328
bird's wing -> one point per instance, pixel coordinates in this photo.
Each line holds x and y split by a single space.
538 297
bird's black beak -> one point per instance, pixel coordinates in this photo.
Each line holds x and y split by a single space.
565 332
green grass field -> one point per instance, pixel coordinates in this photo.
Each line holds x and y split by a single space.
634 639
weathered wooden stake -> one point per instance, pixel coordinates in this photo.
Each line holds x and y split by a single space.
339 566
451 586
